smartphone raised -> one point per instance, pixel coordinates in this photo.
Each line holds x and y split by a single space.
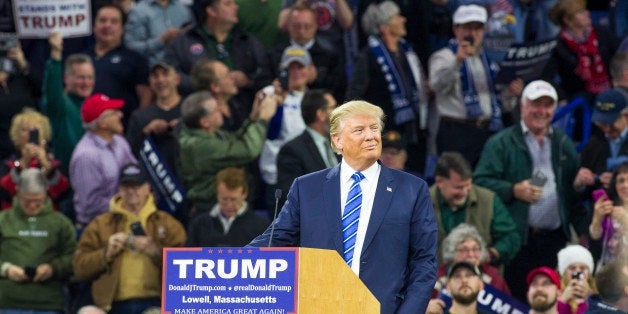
599 193
33 136
137 230
283 80
469 39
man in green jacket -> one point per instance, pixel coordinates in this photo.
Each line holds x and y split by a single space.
63 105
532 167
456 200
205 149
36 247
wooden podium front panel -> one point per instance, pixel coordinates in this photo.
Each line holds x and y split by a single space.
327 285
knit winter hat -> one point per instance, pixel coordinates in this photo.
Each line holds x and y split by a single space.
574 254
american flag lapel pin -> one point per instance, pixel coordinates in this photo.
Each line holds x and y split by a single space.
388 189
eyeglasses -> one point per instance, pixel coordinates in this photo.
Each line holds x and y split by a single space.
463 250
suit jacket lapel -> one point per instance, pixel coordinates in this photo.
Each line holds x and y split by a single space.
381 204
331 206
313 150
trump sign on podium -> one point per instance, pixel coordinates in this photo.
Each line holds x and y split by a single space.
39 18
230 280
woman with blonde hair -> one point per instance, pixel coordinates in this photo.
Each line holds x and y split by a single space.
30 133
582 53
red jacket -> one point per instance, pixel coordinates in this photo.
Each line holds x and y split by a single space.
58 183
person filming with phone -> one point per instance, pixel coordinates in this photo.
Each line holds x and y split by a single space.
531 166
575 266
462 78
30 133
287 123
121 250
610 218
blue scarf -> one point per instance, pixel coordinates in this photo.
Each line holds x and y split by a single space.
405 103
470 94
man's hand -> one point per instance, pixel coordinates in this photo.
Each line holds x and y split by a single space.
585 177
265 106
173 123
17 274
115 245
17 55
43 273
312 74
56 45
605 179
169 34
157 126
435 306
146 245
241 80
527 192
465 49
515 87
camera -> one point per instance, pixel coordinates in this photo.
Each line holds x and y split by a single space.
576 275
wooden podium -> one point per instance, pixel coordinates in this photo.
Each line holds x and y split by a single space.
261 280
327 285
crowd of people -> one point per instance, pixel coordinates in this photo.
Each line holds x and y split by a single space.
238 100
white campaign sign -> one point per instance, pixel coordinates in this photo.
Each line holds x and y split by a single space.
39 18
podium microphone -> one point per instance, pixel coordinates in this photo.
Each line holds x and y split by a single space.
272 228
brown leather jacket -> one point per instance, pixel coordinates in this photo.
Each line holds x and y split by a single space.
89 258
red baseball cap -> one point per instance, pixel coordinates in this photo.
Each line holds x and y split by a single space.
96 104
553 276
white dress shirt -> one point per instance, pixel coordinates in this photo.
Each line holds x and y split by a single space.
368 186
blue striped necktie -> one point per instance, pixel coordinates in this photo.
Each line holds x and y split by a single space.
351 217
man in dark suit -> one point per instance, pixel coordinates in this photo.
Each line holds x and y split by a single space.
302 30
387 234
311 150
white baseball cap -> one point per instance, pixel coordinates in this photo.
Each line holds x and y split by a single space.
539 88
470 13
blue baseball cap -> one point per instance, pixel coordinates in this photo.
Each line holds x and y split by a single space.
608 106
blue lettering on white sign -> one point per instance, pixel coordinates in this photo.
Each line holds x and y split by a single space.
230 280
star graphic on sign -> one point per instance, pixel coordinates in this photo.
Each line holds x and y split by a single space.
249 251
220 251
210 251
229 251
240 251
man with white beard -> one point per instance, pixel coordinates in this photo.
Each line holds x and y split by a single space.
543 290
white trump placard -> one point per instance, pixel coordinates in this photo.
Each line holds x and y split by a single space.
39 18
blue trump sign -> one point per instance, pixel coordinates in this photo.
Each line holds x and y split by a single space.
491 300
230 280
